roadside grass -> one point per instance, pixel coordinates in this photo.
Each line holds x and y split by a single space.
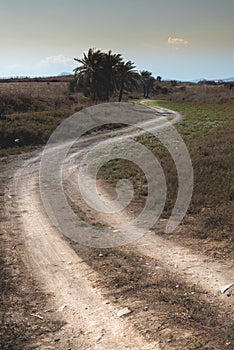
20 97
164 308
201 94
30 129
182 316
208 133
200 119
31 110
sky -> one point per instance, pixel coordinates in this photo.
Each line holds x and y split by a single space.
176 39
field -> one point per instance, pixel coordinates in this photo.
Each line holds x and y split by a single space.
186 316
208 133
31 110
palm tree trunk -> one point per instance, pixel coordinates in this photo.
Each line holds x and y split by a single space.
121 91
147 92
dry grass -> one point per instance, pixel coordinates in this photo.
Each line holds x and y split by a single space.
30 111
32 96
188 92
203 94
208 133
164 307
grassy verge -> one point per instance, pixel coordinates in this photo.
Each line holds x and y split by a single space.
26 130
208 133
200 119
31 110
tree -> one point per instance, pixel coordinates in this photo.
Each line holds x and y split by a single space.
110 73
98 73
88 74
126 77
147 81
101 74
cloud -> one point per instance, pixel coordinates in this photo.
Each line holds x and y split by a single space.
177 41
59 59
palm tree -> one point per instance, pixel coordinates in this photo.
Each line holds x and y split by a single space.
101 74
147 81
97 75
127 77
110 73
88 74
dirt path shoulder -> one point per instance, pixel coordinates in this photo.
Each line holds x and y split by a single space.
91 321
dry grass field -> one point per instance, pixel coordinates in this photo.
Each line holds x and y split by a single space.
29 111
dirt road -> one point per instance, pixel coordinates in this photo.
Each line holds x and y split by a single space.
92 322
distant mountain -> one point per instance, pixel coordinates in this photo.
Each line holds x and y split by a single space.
224 80
63 74
228 79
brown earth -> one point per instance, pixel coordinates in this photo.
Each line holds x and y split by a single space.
171 290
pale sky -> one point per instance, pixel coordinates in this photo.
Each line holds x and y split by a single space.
176 39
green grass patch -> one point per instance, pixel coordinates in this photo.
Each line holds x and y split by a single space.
208 133
199 120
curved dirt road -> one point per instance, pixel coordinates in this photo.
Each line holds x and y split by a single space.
91 321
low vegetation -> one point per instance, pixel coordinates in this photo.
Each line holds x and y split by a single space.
208 133
31 109
207 129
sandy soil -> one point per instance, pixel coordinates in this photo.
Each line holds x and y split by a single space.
92 321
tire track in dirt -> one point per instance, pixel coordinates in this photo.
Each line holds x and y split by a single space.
195 269
92 322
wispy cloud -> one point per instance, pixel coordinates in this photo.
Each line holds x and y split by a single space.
58 59
177 41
